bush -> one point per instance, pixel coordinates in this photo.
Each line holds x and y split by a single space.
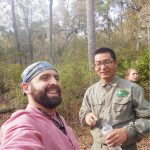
140 61
75 76
11 88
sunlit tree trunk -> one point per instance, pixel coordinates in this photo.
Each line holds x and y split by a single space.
91 30
15 30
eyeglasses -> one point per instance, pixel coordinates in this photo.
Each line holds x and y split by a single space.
105 63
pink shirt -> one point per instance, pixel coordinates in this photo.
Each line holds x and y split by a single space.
30 130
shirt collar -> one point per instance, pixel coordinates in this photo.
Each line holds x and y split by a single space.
33 109
114 82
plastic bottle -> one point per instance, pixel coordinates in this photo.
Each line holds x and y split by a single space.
106 128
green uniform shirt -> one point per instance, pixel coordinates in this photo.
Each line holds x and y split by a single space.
122 104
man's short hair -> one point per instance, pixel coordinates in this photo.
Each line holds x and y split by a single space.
105 50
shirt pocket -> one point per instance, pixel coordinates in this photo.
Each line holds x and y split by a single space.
97 107
122 104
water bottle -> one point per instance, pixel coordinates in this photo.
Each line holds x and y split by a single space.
106 128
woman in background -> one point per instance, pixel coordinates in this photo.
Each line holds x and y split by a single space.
132 75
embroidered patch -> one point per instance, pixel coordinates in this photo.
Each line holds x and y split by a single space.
122 93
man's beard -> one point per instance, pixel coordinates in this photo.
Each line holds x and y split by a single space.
42 98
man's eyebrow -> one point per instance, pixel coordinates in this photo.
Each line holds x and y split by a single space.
44 75
47 74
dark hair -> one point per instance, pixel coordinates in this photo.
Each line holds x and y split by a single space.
106 50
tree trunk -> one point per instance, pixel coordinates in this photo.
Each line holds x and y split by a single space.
148 28
26 11
91 30
15 31
30 43
50 31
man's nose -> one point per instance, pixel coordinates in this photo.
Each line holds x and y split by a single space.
103 66
53 81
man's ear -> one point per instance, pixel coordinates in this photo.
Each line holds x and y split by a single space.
116 64
26 87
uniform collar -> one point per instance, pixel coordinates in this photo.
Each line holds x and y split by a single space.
114 82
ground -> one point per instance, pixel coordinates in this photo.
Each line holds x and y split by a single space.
83 133
85 140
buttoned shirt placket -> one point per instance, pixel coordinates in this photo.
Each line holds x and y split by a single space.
108 99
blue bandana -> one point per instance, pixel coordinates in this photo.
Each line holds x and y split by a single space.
34 69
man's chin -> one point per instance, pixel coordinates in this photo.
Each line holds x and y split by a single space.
105 77
54 105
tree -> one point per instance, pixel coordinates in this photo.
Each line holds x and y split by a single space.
50 31
15 30
28 14
91 30
148 27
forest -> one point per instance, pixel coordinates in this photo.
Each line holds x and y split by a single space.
62 33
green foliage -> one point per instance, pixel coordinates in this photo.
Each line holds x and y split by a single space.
74 74
10 87
12 75
142 64
15 98
2 74
76 77
135 59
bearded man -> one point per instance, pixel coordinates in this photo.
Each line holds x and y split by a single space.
39 126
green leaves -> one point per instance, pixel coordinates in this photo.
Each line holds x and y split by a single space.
138 60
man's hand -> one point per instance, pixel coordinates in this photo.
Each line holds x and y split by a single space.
90 119
116 137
